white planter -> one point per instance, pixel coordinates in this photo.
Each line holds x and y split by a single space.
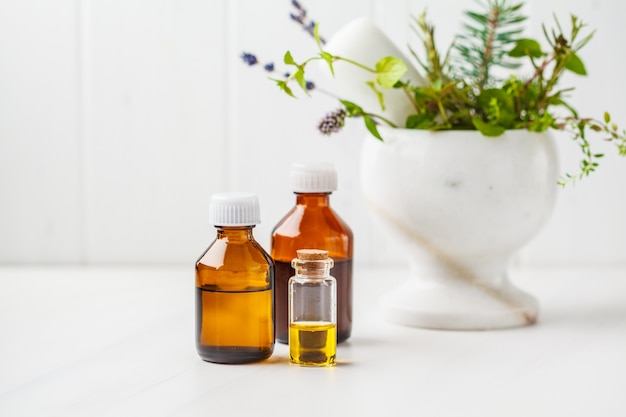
460 205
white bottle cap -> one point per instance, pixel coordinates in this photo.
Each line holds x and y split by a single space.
234 209
313 178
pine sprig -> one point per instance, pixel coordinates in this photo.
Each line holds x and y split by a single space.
489 36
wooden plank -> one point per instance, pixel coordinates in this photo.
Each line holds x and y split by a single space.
155 144
40 216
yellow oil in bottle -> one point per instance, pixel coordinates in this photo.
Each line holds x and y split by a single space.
313 343
233 326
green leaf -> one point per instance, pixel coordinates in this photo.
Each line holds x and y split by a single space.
575 64
477 17
379 94
539 122
351 108
329 60
418 121
284 87
497 106
607 117
487 129
288 59
371 126
299 76
316 35
504 99
389 70
526 47
437 84
422 94
507 118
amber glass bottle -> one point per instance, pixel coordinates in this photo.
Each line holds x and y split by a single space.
234 286
312 223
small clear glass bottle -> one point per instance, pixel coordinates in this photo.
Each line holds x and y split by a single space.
312 223
234 286
312 310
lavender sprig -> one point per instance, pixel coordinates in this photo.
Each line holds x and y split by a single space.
333 122
301 18
251 60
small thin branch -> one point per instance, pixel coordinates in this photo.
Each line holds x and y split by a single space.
486 58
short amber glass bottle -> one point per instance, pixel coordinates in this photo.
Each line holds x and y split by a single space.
234 286
312 223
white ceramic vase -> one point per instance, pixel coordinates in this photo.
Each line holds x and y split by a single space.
460 205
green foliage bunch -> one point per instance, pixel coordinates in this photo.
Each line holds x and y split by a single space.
462 91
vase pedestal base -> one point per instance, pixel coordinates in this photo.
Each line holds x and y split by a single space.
460 206
456 306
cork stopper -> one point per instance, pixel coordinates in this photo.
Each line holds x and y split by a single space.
312 254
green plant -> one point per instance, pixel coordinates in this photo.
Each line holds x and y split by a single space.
461 90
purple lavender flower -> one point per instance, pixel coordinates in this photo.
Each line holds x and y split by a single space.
297 18
249 59
332 122
300 17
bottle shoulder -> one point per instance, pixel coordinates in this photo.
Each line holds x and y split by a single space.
235 267
234 255
302 217
311 227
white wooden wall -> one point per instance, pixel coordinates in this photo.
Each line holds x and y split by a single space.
119 118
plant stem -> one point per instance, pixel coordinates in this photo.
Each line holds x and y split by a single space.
408 94
366 68
540 70
376 116
442 112
493 22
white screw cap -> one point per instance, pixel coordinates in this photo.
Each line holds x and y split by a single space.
234 209
313 178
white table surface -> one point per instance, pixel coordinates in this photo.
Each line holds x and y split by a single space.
120 342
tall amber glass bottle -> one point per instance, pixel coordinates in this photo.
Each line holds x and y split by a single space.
312 223
234 286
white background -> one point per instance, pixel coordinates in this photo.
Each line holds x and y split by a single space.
119 119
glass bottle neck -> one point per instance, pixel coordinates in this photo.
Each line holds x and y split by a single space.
235 233
313 199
